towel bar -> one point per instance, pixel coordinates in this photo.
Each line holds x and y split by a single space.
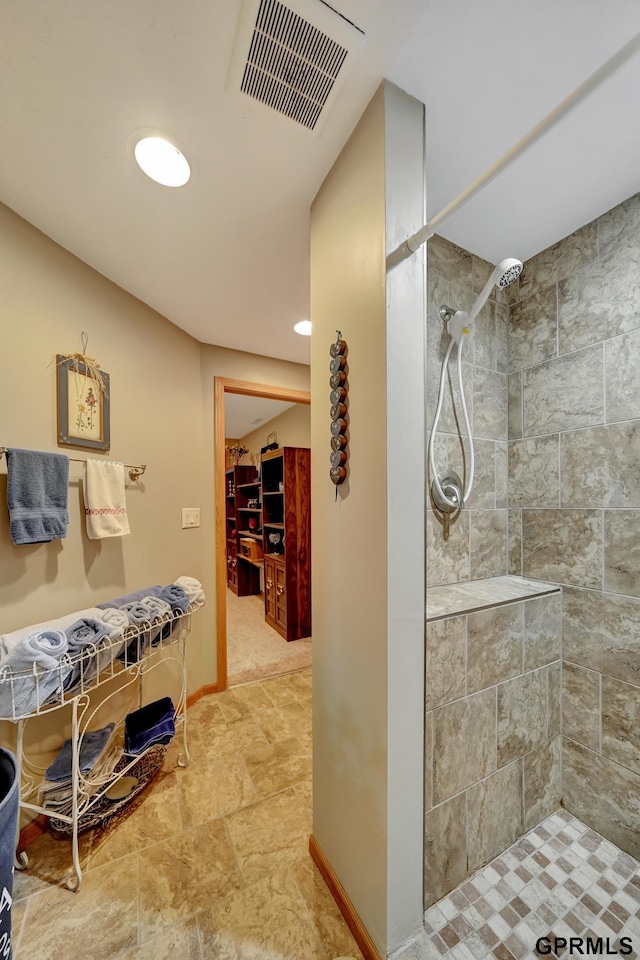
134 471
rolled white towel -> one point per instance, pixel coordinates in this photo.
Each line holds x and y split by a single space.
9 640
192 588
115 620
38 672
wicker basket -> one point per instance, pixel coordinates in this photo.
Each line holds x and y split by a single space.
104 809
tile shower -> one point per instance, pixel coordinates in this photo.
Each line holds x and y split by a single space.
535 703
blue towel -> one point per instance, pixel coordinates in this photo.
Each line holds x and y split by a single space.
36 660
37 495
133 597
92 744
81 633
176 598
154 723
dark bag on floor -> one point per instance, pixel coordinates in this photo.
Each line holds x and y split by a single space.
9 802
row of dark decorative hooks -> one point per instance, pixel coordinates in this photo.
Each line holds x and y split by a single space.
339 409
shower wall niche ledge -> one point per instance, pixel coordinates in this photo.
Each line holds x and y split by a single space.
455 599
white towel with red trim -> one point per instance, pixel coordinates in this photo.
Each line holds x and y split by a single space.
104 499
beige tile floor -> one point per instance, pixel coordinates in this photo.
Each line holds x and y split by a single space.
212 864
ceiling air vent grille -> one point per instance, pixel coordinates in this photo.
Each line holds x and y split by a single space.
292 65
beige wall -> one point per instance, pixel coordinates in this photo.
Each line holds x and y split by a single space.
293 429
367 745
48 298
161 415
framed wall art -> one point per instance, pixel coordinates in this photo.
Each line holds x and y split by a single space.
83 405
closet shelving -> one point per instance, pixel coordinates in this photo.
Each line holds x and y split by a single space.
243 573
125 662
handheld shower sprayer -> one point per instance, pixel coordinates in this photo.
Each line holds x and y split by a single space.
505 273
446 487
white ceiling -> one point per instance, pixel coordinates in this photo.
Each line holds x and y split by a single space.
226 257
243 415
488 72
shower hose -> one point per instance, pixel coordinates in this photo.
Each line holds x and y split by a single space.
450 493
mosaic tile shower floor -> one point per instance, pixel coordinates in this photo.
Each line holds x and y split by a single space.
561 880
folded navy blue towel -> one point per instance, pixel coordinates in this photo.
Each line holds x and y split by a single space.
153 723
37 495
133 597
92 744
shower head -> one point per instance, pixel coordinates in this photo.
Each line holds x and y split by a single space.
505 273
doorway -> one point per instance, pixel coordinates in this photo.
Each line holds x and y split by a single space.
224 390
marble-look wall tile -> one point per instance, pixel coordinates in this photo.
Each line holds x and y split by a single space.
622 370
445 664
487 543
515 542
602 632
542 631
502 475
483 495
533 472
445 848
447 560
554 699
489 404
563 546
620 225
449 260
542 782
565 393
581 705
559 261
451 413
622 551
484 337
602 794
621 723
600 301
600 466
428 760
533 329
494 814
464 743
515 405
522 715
494 645
438 294
502 337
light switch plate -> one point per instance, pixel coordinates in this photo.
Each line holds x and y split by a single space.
190 517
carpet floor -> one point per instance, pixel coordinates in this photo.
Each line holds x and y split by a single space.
254 649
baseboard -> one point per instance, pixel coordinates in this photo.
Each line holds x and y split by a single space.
202 692
348 911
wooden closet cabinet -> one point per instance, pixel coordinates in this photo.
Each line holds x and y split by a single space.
286 521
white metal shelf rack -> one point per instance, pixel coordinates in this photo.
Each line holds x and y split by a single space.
130 657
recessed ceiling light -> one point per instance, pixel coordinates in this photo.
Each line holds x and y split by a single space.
163 162
303 328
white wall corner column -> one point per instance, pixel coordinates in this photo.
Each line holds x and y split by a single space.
368 546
